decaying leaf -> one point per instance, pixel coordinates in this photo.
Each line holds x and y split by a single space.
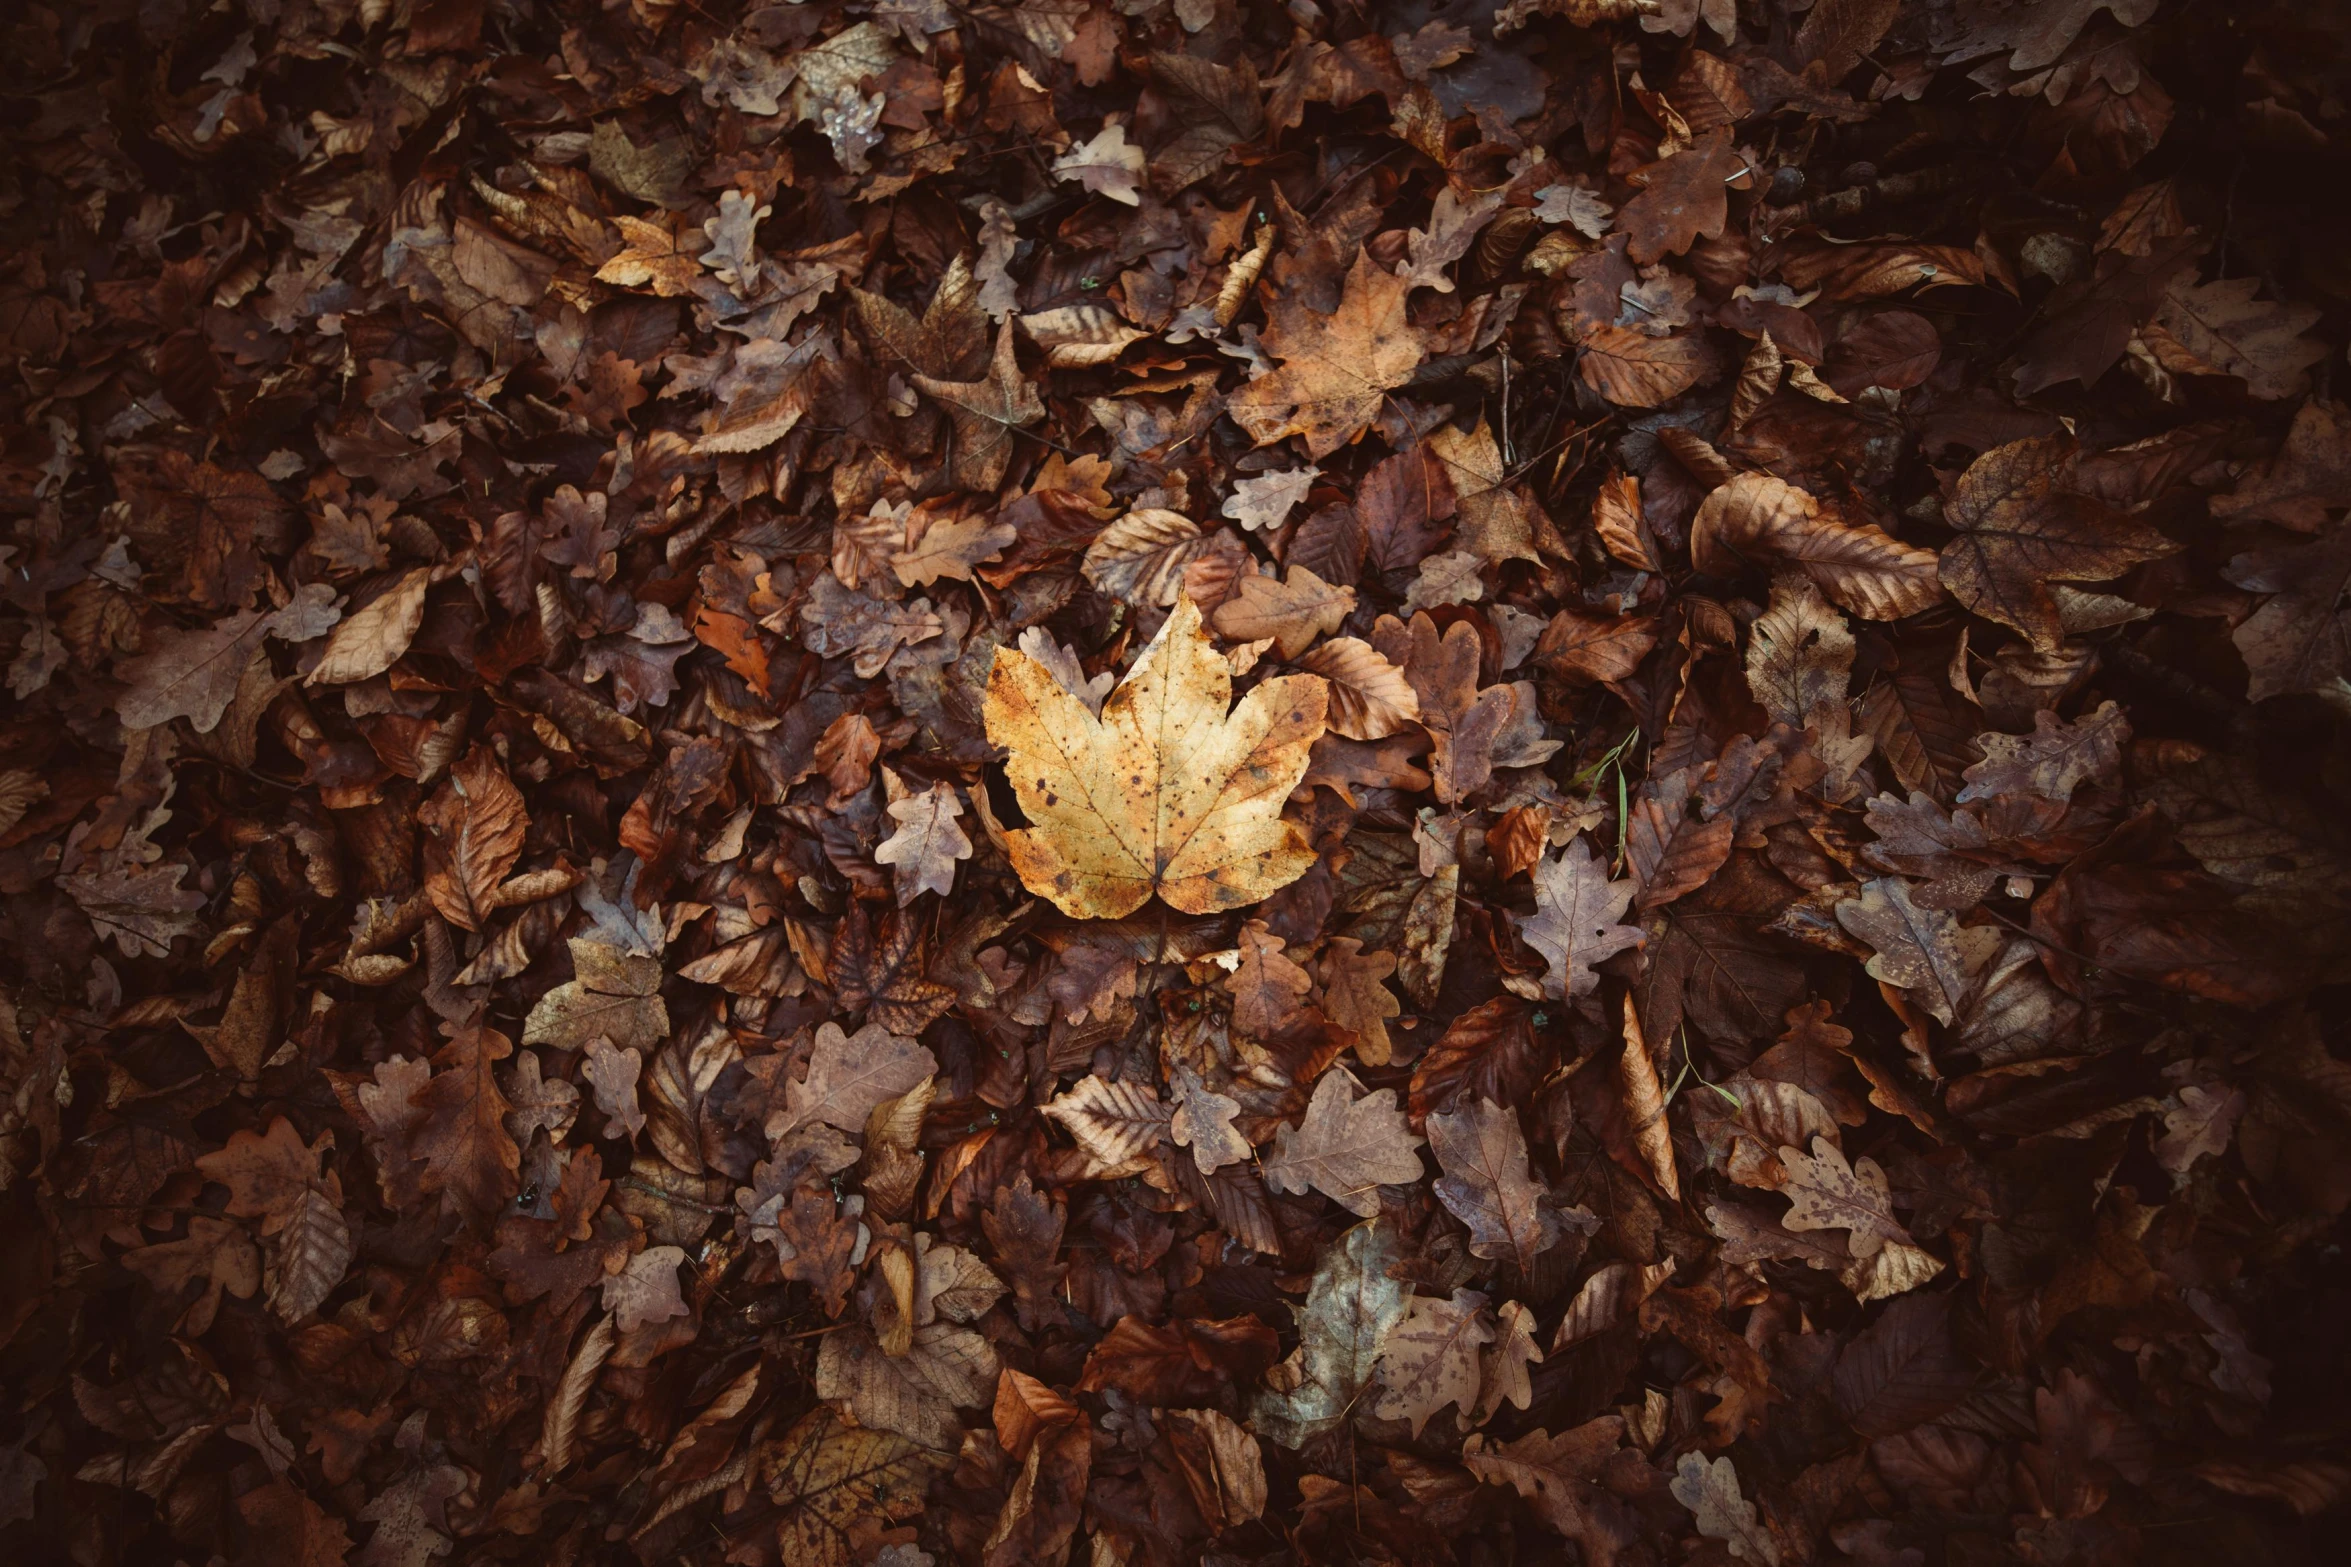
1350 1308
1709 1488
1429 1359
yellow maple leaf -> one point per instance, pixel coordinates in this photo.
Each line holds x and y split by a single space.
1164 792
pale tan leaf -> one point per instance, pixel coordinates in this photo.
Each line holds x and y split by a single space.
1576 920
1453 577
2199 1124
1080 336
1261 502
1607 1298
927 843
1826 1193
1203 1122
1454 221
1349 1145
1496 518
1759 377
848 1075
1109 165
1710 1489
613 1074
547 1104
371 640
646 1290
951 547
1293 613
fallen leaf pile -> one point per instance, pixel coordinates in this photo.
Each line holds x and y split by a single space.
886 782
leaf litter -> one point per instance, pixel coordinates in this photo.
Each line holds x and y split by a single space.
890 783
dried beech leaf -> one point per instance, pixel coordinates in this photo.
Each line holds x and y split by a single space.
1369 697
1756 519
371 639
